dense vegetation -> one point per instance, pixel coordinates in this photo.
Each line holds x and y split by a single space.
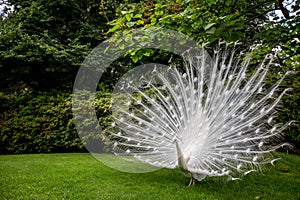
43 43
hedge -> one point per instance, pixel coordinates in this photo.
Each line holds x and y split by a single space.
42 122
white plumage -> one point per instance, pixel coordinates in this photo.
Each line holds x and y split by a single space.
213 119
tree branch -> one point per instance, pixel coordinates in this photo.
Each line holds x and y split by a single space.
103 10
251 9
284 11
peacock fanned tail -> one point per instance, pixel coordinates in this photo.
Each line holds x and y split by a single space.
212 119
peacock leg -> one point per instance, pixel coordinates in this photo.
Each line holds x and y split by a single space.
192 182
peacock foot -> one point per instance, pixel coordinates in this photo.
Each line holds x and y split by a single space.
192 182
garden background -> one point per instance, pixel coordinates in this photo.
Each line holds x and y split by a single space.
43 43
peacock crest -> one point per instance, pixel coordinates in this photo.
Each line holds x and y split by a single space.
209 118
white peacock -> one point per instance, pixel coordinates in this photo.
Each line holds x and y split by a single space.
213 119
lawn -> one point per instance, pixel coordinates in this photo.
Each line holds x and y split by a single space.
81 176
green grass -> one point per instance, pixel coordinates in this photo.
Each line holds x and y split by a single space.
81 176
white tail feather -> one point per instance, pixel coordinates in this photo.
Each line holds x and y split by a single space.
221 119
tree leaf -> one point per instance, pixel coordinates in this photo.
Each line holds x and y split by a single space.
208 26
135 58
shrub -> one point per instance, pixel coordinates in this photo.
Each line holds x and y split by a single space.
42 122
37 122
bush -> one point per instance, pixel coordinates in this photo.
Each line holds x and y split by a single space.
35 123
291 110
42 122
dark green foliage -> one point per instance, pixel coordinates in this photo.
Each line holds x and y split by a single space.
42 122
39 122
291 110
43 42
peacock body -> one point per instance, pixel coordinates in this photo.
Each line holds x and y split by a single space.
210 119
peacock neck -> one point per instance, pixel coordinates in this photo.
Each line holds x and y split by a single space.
182 161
